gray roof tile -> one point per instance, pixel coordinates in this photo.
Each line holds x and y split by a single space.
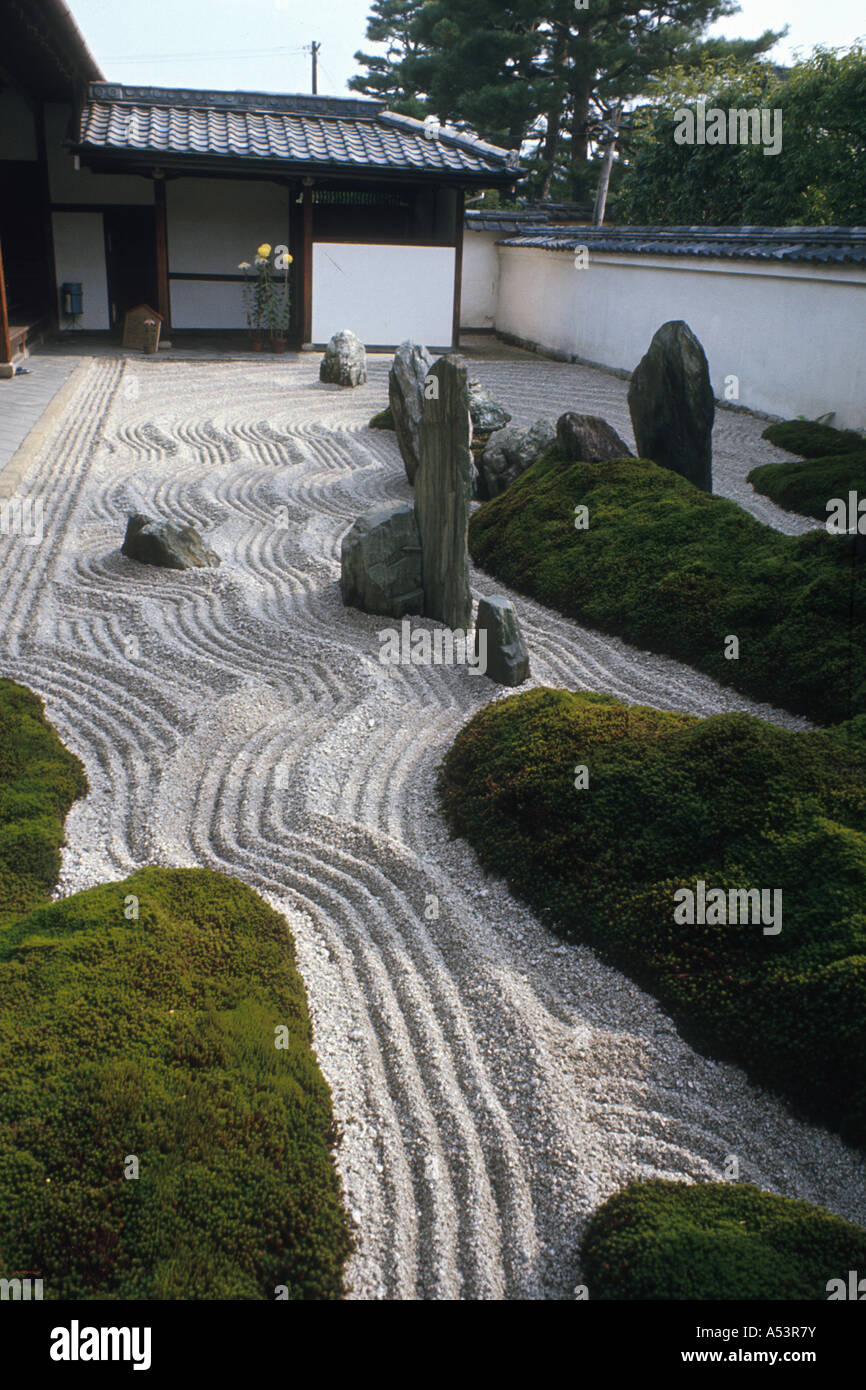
820 245
341 132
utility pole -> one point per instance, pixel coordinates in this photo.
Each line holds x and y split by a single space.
314 49
606 166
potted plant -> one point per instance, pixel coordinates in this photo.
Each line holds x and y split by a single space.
280 300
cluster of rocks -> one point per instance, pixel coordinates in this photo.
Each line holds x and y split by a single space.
415 558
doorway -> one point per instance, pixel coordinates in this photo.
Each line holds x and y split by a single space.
130 258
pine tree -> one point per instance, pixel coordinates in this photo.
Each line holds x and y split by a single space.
541 74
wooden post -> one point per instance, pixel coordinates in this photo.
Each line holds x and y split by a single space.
5 340
163 297
307 286
458 266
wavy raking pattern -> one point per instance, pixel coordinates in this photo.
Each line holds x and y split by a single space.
493 1086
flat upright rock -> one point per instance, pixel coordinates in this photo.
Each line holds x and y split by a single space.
380 562
509 452
671 403
506 653
170 547
487 415
442 493
406 380
345 360
589 439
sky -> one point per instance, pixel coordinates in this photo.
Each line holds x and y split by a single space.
258 45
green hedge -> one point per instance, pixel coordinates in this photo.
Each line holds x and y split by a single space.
673 799
156 1038
674 1240
39 780
677 571
812 440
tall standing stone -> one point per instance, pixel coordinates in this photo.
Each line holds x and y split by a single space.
406 380
671 403
442 492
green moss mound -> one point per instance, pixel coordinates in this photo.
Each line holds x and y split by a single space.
677 571
673 799
812 440
39 780
674 1240
383 421
808 487
156 1038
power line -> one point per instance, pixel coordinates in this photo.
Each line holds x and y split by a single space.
257 53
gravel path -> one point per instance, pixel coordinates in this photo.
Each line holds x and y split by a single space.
493 1086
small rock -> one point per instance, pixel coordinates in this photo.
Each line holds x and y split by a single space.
486 414
506 655
589 439
508 453
171 547
380 562
345 360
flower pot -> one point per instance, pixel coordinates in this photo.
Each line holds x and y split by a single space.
279 342
257 342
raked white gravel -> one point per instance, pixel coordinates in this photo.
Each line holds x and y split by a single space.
493 1086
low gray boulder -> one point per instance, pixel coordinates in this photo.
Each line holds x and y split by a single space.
380 562
487 415
589 439
171 547
506 654
345 360
672 407
406 380
509 452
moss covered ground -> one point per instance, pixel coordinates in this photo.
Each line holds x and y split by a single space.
674 1240
155 1140
677 571
833 464
672 800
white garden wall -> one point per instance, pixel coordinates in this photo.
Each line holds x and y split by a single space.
793 335
480 280
384 293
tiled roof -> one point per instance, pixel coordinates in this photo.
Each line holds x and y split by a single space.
824 245
303 130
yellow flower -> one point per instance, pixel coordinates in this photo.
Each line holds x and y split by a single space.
264 250
244 265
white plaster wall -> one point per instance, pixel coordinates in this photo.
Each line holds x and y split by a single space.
79 249
214 224
17 127
206 304
480 279
69 185
383 293
795 336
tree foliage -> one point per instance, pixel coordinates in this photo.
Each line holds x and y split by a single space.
818 178
543 75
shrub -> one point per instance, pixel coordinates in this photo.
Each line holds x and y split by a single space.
39 780
813 440
383 421
156 1038
673 799
674 1240
808 487
671 568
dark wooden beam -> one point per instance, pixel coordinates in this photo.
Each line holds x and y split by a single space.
5 340
458 265
163 294
307 283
